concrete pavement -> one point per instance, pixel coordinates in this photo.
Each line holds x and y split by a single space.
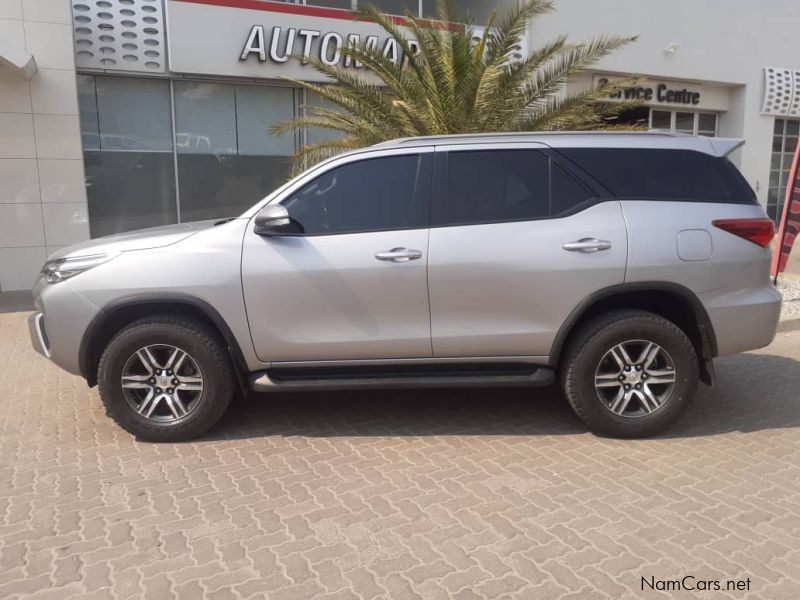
436 494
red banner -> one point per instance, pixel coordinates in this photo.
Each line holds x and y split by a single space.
789 225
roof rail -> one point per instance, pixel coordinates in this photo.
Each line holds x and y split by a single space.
456 136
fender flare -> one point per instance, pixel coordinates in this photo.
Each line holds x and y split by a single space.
704 325
102 318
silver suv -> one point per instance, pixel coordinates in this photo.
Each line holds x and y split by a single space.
621 264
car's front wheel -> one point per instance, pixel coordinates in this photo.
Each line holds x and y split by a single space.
629 373
166 378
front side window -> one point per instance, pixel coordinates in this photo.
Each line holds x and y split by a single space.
371 195
491 186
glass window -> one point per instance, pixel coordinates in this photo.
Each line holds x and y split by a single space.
661 119
317 134
490 186
370 195
127 134
648 174
784 142
205 118
227 157
393 7
87 103
566 193
346 4
477 11
259 108
134 114
707 124
684 122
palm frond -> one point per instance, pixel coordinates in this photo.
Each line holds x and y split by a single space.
458 82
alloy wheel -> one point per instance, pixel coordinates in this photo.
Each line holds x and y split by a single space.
635 378
162 382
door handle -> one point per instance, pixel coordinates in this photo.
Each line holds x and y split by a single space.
587 245
399 255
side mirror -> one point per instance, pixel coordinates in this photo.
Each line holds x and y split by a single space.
274 219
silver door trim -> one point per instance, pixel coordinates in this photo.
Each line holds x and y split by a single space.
534 360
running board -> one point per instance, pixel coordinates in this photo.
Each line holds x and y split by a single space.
299 380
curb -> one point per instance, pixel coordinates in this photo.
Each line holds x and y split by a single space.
789 325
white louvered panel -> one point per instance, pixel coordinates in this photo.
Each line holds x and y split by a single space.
781 92
119 35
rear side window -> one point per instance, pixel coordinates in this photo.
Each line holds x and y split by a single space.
488 186
566 193
493 186
654 174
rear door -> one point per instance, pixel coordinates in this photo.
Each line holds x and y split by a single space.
517 242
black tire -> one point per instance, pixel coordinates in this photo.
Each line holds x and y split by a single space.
206 350
588 347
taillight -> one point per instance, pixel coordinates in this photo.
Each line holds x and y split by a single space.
758 231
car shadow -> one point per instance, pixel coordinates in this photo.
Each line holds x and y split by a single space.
755 392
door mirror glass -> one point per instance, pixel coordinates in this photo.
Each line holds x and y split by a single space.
274 219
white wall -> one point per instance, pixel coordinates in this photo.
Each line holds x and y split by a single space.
42 191
725 41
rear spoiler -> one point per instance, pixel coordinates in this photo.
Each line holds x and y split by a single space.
724 146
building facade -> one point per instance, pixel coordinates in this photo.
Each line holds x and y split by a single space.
122 114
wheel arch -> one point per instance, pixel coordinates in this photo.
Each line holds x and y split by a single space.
672 301
123 311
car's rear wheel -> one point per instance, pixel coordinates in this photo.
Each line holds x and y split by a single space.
166 378
629 373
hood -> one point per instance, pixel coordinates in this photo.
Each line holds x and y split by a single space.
142 239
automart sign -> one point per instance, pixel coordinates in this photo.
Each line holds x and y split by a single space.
282 46
253 38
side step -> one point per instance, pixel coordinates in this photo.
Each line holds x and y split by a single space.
297 379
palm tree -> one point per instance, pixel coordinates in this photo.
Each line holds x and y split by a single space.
457 82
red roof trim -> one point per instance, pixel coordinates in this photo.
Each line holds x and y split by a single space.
290 9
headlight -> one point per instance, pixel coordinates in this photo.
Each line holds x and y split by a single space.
64 268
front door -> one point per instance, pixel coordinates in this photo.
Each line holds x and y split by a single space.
516 244
354 285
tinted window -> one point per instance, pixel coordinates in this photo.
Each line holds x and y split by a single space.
664 174
489 186
370 195
566 193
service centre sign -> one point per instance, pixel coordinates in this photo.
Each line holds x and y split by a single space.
661 93
258 39
669 93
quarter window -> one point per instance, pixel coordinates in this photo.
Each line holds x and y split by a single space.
656 174
371 195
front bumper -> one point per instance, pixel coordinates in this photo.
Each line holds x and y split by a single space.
38 334
61 320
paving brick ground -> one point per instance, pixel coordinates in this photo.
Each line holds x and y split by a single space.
454 494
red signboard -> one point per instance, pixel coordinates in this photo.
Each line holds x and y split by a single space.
790 219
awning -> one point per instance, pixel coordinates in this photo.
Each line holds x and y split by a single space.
16 58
